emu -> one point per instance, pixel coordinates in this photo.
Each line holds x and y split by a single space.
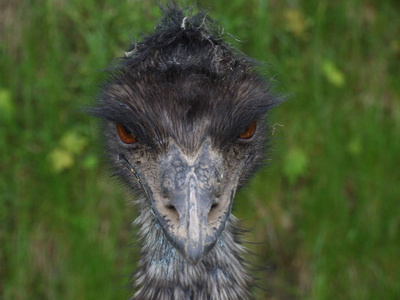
185 121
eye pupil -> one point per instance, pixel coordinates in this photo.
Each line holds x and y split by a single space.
125 135
249 131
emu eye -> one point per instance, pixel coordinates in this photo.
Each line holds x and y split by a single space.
249 131
125 135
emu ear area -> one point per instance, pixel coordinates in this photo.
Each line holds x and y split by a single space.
114 103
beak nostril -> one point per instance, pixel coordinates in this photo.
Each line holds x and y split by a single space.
172 213
171 207
213 213
215 205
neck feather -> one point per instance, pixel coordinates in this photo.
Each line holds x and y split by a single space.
164 274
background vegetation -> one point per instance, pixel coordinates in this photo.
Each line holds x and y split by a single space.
326 210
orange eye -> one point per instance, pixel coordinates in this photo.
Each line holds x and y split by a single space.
125 135
249 131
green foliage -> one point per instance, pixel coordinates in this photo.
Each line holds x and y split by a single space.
295 164
332 73
6 106
327 207
70 145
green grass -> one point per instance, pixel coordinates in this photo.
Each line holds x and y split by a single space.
327 208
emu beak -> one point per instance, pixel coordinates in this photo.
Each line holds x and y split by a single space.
194 204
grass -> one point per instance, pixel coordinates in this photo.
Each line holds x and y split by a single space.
326 209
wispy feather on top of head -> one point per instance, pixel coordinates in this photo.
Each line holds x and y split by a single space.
177 23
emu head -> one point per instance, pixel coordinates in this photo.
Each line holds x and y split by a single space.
184 117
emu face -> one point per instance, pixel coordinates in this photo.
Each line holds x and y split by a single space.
185 126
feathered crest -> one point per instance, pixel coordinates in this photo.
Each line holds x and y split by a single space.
178 24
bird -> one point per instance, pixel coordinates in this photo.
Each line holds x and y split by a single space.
185 119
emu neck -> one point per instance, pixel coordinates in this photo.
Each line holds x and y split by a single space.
163 273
